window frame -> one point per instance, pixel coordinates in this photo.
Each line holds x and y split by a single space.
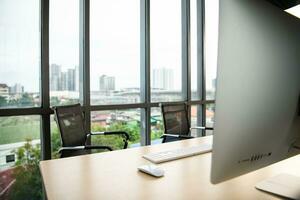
145 105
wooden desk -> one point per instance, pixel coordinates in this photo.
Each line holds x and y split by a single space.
114 175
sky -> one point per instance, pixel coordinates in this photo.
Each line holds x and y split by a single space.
114 39
294 11
19 45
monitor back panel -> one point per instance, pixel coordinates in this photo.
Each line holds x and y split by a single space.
258 86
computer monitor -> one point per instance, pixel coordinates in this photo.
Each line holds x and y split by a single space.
258 87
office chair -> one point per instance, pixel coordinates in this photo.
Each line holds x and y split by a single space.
176 122
70 121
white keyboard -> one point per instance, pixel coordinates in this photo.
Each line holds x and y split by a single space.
175 154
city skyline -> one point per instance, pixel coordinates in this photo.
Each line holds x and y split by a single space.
105 58
67 80
107 83
162 78
6 89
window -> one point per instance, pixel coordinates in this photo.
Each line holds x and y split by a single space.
64 52
117 120
196 115
210 115
114 55
19 53
55 138
113 60
115 51
194 51
19 157
294 11
211 46
165 31
195 120
157 125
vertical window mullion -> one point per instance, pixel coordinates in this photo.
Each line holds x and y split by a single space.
185 44
145 72
45 122
186 52
84 66
201 93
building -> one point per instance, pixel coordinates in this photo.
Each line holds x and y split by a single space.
55 77
16 89
63 81
77 78
71 78
163 78
106 83
4 90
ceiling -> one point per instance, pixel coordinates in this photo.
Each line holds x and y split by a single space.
285 4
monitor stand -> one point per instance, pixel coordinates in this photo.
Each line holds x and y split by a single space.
284 185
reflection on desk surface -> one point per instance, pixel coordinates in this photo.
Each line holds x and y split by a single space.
114 175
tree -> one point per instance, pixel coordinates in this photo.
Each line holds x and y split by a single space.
3 101
13 102
54 101
55 142
157 132
59 102
28 184
113 140
26 100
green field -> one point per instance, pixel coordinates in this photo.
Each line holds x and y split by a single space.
19 133
18 129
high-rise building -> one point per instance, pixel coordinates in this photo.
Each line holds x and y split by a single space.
106 83
4 90
76 78
214 84
16 89
55 77
163 78
63 81
71 77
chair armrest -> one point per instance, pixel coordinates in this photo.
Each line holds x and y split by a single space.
201 128
98 147
71 148
177 136
75 148
123 133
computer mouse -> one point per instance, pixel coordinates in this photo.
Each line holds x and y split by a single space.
152 170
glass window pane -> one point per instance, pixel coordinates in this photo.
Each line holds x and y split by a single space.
194 50
64 52
117 120
196 114
115 51
210 115
196 120
211 46
165 17
19 53
157 126
55 138
19 157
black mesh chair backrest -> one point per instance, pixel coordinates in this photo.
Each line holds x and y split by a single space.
70 122
175 117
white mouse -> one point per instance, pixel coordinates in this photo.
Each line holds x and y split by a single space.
152 170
